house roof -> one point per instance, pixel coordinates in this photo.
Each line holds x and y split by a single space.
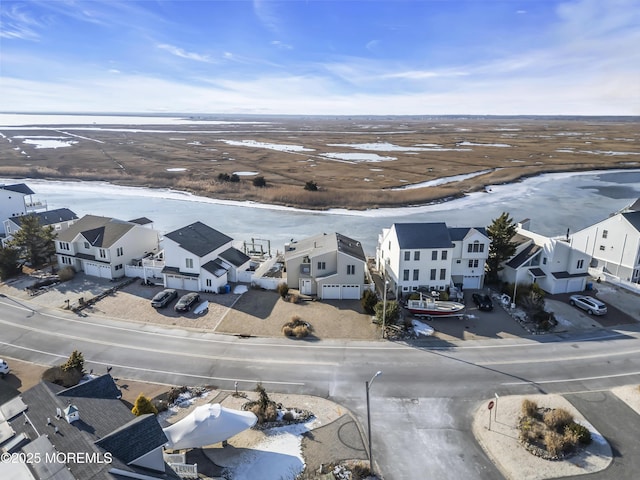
418 236
49 217
537 272
99 418
98 231
458 234
18 188
216 267
176 271
324 243
7 392
198 238
235 257
141 221
526 254
350 247
569 275
633 218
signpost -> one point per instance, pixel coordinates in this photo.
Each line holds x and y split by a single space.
496 414
490 406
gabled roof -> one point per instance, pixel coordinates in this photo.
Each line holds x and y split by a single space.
235 257
325 243
98 231
458 234
350 247
99 387
18 188
134 439
141 221
216 267
416 236
633 218
198 238
50 217
526 254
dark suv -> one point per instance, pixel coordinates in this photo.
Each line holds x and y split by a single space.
482 301
163 298
187 301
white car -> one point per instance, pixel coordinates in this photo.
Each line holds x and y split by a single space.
592 305
4 368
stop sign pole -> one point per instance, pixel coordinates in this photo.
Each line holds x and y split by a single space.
490 406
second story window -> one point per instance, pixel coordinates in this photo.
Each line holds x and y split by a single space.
405 275
473 263
443 273
120 251
444 255
351 269
189 262
407 255
605 233
64 246
434 255
103 253
86 245
322 266
475 247
580 264
416 255
416 275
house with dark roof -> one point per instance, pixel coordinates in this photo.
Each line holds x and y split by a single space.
102 246
16 200
552 263
200 258
82 432
613 244
331 266
432 256
59 219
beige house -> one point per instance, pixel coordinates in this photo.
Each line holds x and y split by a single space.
330 266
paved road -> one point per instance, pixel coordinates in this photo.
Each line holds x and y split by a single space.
420 407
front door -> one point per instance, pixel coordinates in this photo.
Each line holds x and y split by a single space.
305 287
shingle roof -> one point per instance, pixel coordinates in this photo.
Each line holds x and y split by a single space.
351 247
235 257
633 218
458 234
134 439
49 217
523 256
100 387
215 267
99 231
18 188
422 235
199 238
141 221
323 243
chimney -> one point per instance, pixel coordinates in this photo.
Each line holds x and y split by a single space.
71 413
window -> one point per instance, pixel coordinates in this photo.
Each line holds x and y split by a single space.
405 275
605 233
322 265
434 255
443 273
103 253
119 267
416 275
209 283
580 263
86 245
119 252
473 263
66 260
351 269
189 262
407 255
602 248
416 255
475 247
64 246
389 244
458 261
432 274
544 260
443 256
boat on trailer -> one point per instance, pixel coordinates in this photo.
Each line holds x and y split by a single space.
430 307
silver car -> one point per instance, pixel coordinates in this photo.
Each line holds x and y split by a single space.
593 306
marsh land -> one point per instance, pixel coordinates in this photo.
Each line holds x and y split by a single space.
355 162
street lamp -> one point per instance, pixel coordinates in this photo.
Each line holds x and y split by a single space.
384 305
368 385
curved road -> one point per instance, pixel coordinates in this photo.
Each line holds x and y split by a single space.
421 407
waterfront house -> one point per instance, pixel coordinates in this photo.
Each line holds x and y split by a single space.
103 246
432 256
331 266
16 200
200 258
59 219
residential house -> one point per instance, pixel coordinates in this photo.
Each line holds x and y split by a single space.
102 246
552 263
80 432
331 266
432 256
613 244
16 200
200 258
60 219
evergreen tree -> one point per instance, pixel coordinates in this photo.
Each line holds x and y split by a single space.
9 262
143 406
35 243
391 312
75 362
501 231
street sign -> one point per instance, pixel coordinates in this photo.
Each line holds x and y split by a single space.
491 404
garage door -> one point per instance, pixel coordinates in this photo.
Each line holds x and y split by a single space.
191 284
575 285
97 270
471 282
174 282
350 292
331 292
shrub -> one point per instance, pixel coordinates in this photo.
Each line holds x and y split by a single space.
143 406
297 328
554 442
529 408
66 273
60 377
223 177
392 312
294 298
311 186
557 419
368 301
283 289
259 182
234 178
580 432
288 416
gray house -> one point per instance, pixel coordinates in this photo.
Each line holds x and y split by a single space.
330 266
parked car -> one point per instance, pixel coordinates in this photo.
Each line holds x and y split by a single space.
4 368
482 301
187 301
593 306
163 298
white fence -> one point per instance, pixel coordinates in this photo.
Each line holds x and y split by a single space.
266 275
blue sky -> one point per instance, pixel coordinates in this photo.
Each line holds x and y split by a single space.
382 57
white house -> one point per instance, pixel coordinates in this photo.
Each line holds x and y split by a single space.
102 246
15 200
613 244
200 258
60 219
432 256
330 266
552 263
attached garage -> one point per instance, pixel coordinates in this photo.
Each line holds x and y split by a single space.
471 282
341 292
331 292
182 283
97 270
576 285
350 292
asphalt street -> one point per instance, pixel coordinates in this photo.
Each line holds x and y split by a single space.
421 406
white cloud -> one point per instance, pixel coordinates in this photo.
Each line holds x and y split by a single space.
281 45
179 52
18 24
